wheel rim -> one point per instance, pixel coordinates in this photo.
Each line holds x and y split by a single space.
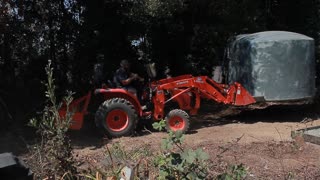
176 123
117 120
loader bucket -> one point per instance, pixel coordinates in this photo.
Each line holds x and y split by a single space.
242 97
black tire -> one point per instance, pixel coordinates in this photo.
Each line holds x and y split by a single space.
111 112
177 120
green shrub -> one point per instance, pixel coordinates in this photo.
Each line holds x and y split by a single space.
53 154
177 162
234 172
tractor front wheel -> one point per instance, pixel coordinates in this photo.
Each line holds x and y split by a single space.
177 120
117 116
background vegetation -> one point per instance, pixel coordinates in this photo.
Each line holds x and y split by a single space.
85 40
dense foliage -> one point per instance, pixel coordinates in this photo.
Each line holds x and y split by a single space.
188 35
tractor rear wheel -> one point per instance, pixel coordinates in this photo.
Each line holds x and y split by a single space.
117 116
177 120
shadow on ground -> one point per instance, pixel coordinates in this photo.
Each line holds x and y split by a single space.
278 113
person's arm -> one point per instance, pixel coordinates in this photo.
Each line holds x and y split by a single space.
128 80
125 80
140 78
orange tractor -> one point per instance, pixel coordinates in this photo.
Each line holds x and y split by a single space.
120 111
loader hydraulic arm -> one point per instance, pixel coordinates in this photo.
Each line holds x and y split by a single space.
183 88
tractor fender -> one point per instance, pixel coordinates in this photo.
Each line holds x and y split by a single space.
121 93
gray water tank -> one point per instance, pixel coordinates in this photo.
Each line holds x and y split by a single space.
274 65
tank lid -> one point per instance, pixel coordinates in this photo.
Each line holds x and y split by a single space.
272 36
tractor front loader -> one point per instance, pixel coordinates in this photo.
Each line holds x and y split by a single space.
120 111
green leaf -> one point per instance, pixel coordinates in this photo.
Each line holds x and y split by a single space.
33 122
163 174
161 162
224 176
166 144
189 156
179 134
159 125
180 167
201 155
192 175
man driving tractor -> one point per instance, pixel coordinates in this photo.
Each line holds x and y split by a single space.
125 79
119 111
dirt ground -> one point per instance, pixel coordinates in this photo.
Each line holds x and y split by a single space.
259 139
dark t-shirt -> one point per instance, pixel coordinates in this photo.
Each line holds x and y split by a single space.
120 75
